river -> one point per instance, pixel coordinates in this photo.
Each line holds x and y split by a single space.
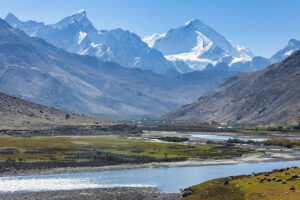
165 179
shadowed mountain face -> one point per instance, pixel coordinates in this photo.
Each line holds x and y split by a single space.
34 70
263 97
76 34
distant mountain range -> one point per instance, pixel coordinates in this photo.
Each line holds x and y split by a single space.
34 70
77 34
193 46
270 96
258 62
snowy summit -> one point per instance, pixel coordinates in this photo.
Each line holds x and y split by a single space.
197 45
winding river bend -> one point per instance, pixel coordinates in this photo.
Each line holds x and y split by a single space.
165 179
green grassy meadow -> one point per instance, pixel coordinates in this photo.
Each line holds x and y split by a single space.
102 150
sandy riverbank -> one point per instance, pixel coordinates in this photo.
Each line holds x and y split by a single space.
271 157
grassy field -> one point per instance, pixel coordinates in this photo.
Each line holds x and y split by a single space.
215 127
284 142
277 185
24 152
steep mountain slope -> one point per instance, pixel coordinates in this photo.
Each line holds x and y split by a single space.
34 70
76 34
268 96
292 46
19 114
197 45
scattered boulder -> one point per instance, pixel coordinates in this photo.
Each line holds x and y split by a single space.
67 116
295 176
186 193
292 188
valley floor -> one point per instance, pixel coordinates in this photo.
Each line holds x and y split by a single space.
67 154
70 154
187 163
40 153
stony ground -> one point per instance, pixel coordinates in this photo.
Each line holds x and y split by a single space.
95 194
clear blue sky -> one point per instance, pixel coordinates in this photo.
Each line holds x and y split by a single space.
264 26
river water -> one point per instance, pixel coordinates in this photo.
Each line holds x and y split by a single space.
165 179
219 137
225 137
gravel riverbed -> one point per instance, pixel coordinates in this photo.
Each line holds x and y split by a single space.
123 193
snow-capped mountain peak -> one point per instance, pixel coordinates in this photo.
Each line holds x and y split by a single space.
79 18
292 46
81 11
195 24
293 43
197 45
191 22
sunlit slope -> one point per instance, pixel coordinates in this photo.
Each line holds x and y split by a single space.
19 114
279 184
